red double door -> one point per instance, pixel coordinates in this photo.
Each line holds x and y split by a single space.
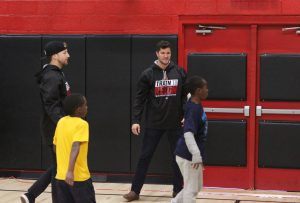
253 71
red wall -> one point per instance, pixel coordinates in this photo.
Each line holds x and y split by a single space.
124 16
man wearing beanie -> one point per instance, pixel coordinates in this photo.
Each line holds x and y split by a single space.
53 89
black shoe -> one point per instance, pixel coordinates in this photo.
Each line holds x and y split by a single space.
27 198
174 194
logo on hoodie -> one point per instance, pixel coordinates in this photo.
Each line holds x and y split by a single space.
165 88
68 88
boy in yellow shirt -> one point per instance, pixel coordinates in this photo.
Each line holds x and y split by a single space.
73 179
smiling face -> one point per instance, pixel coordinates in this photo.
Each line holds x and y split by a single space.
164 56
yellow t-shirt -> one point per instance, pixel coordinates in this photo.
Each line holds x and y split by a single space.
71 129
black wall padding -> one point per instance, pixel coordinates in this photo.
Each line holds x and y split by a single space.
20 146
279 77
108 95
74 71
226 143
225 73
143 55
279 144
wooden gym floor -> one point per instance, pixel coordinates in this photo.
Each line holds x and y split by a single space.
11 189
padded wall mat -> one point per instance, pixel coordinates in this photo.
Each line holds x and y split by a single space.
279 77
226 143
108 94
225 73
278 144
20 102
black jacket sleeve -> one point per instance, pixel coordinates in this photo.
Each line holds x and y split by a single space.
50 89
183 91
143 89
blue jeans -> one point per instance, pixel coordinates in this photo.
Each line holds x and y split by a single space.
150 142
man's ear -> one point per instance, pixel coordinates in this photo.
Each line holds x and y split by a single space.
54 56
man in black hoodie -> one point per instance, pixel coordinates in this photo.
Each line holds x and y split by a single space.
160 93
53 89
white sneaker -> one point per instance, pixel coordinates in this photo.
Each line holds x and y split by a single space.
172 200
24 199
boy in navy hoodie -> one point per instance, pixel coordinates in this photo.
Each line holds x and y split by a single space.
190 146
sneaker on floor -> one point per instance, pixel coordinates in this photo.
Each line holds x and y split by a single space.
131 196
25 198
174 194
173 200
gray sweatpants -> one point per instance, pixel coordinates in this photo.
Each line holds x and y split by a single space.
193 181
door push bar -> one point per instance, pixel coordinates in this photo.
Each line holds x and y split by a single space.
260 111
245 110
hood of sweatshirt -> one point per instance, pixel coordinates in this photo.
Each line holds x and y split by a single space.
46 68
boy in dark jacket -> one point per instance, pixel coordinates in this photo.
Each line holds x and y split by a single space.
190 147
53 89
160 93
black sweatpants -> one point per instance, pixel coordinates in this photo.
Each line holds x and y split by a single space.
150 142
80 192
44 180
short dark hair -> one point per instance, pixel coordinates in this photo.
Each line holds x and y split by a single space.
193 83
163 45
72 102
